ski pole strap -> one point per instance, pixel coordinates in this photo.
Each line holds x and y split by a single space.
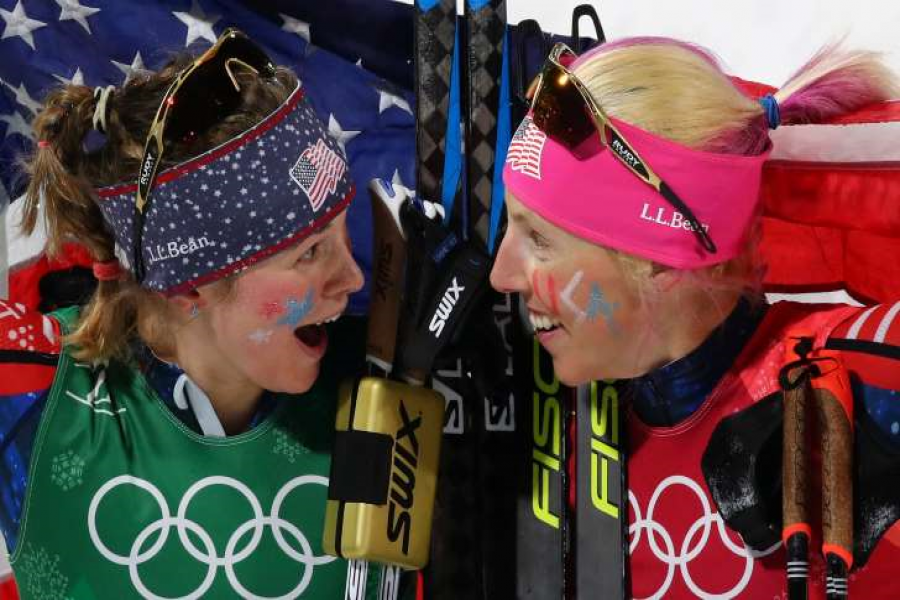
463 279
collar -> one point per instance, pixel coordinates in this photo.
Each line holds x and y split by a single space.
670 394
189 403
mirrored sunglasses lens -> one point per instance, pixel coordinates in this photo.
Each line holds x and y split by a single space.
208 95
560 111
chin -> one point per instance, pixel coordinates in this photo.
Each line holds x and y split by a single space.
570 374
299 383
573 374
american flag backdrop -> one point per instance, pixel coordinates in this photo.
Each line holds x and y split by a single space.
354 57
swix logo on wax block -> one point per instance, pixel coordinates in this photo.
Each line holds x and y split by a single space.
403 478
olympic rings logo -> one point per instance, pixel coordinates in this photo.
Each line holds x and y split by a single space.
700 531
138 555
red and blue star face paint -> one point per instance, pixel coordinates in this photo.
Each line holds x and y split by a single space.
231 207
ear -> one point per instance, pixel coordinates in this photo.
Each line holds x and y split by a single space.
665 279
189 302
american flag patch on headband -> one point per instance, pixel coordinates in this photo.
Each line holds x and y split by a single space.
317 172
524 154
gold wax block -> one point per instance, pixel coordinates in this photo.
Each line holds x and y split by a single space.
388 454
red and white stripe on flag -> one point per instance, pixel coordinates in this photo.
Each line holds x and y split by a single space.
525 148
318 171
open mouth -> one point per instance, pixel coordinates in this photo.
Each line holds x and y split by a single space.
543 323
314 334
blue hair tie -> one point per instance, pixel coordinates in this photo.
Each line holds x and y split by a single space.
773 114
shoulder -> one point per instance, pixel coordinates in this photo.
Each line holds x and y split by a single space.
869 340
30 345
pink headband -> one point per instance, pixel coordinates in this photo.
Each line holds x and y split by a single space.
601 201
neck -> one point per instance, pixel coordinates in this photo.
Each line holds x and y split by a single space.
234 397
669 394
678 331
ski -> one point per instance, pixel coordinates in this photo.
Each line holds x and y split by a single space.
497 407
601 493
451 572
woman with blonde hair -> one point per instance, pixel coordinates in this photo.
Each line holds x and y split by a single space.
176 440
633 215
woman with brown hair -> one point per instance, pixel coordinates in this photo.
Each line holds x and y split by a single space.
180 447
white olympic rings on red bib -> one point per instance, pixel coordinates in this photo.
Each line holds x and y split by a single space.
681 558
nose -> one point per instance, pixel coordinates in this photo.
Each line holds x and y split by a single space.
346 276
508 274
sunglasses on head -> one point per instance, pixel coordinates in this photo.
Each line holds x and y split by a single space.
202 94
563 108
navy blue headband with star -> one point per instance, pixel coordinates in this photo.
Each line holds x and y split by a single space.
243 201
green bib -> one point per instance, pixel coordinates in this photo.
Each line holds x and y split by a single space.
124 501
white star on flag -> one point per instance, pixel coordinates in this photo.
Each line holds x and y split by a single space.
136 68
77 78
199 24
19 25
338 133
23 97
387 100
398 184
72 9
16 124
292 25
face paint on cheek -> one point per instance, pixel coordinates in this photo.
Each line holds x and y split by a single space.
270 310
260 336
296 310
551 290
597 305
566 297
551 300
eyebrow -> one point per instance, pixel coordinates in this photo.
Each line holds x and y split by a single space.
519 217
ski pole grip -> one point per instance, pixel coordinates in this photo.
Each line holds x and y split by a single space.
795 498
835 411
389 257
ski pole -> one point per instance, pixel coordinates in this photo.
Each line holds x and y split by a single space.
834 403
795 500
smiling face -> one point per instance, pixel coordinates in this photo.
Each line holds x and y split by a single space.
268 328
585 309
